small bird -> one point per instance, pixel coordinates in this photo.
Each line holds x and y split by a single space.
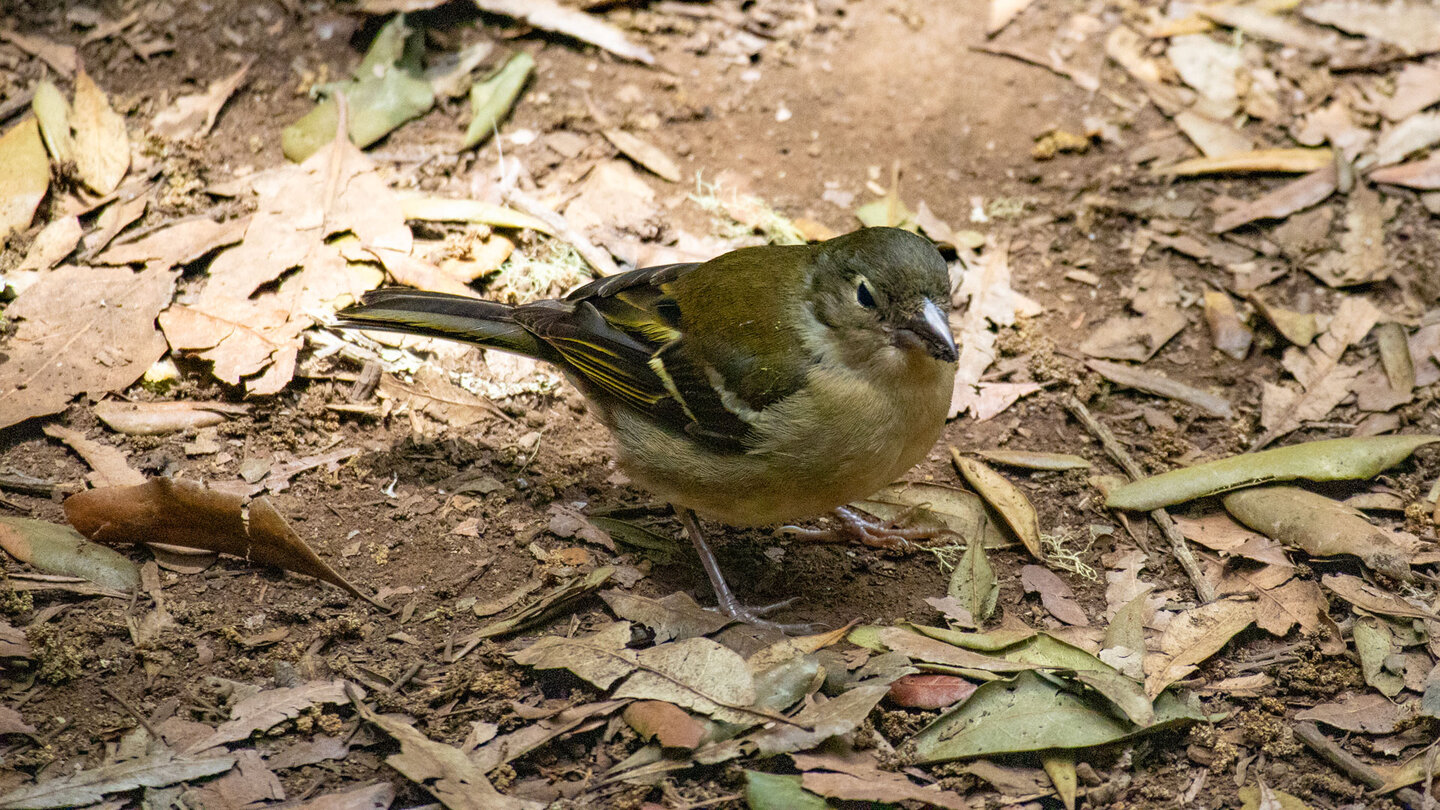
766 385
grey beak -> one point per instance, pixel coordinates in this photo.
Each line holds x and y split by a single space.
933 330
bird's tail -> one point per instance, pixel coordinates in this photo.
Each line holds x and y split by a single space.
470 320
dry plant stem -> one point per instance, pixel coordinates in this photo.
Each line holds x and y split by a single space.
133 712
598 259
1117 451
1343 761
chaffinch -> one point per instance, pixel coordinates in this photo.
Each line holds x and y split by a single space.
765 385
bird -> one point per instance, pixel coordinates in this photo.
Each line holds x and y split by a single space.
769 384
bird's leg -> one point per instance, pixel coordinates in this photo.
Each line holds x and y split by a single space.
872 532
729 605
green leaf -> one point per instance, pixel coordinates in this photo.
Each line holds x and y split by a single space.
1372 642
1031 713
56 549
376 106
973 582
769 791
1328 460
491 100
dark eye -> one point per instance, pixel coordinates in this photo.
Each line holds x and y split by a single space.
864 295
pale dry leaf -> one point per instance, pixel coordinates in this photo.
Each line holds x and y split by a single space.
525 739
266 709
249 784
644 153
1420 174
1415 133
1213 138
102 148
697 674
1007 499
992 305
880 786
24 176
1259 21
819 722
378 796
1416 87
1153 383
54 242
1191 638
1318 526
1213 69
432 393
81 330
1296 195
194 115
599 657
111 468
178 243
1412 27
1364 713
158 418
116 217
1227 332
83 788
1324 381
1155 295
675 616
64 59
1055 594
1002 12
444 770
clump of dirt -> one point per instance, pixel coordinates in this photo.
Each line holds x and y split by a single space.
61 656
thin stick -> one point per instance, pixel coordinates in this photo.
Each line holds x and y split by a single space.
133 712
1117 451
598 259
1347 764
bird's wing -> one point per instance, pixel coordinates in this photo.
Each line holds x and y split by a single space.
623 336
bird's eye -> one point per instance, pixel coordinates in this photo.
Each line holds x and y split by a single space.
864 295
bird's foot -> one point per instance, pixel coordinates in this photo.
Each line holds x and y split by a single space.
755 616
888 535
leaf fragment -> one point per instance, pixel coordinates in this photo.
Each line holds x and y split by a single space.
491 100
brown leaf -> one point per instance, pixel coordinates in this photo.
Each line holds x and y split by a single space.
445 771
184 513
1156 296
1324 380
600 657
248 784
1362 257
158 418
1297 161
1055 595
179 243
1296 195
81 330
1420 174
1369 598
1366 713
1192 637
54 242
644 153
697 674
666 723
886 787
370 797
676 616
1160 385
63 58
1227 332
56 549
111 469
24 176
268 708
1318 526
1005 498
102 149
929 691
192 116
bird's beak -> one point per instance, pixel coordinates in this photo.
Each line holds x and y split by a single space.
932 330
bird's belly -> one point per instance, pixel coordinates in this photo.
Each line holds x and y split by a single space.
849 446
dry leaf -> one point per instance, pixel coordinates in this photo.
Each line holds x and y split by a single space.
184 513
158 418
111 469
1410 26
178 243
600 657
1420 174
193 116
1318 526
24 176
1152 383
433 394
1416 87
1362 256
54 242
1364 713
102 149
1297 327
992 305
1288 161
1190 638
675 616
1215 139
697 674
929 691
1156 296
1324 380
62 58
83 788
1369 598
1005 498
1002 12
1296 195
644 153
1213 69
1055 594
81 330
444 770
666 723
59 550
1227 331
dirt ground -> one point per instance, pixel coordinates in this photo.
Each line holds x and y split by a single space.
835 96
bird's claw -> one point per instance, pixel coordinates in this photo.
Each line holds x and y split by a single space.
872 532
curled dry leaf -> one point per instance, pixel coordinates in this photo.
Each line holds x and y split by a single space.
1227 332
666 723
159 418
1006 498
1318 526
1294 161
1325 460
929 691
1361 594
1297 327
184 513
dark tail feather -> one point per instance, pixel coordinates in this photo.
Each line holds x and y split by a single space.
432 314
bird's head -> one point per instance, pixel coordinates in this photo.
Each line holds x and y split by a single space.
884 292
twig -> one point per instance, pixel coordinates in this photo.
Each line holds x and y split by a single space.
1117 451
133 712
1343 761
598 259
